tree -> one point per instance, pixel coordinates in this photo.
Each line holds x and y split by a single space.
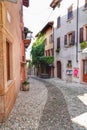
38 59
37 50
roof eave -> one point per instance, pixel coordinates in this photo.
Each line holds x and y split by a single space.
49 24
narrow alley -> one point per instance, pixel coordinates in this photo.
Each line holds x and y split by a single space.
50 104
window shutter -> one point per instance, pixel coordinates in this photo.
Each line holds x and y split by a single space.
73 38
58 22
58 42
65 40
81 35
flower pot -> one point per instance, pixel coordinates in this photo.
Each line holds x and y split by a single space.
25 87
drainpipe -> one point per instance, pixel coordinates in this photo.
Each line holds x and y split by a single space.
77 31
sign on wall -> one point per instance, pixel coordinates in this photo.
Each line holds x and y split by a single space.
76 72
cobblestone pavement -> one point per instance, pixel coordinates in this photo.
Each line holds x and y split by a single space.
75 95
50 104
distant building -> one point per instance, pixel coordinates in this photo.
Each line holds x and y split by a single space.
11 41
47 30
70 30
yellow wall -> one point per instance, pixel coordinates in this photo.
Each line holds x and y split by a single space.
47 34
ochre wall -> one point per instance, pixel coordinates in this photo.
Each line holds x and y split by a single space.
10 30
48 33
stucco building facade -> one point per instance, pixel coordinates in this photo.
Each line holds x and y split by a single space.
11 40
70 30
47 30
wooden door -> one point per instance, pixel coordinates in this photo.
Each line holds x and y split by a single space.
59 69
85 70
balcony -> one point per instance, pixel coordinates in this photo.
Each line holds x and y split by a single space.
26 42
27 36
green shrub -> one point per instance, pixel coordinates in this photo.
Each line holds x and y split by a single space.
25 82
83 45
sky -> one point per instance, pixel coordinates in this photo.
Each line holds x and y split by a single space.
37 14
36 17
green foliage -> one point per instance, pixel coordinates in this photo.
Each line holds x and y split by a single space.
47 60
37 50
30 64
25 82
83 45
58 50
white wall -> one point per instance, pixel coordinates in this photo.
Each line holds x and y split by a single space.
68 53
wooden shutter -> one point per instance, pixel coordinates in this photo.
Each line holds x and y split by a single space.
58 22
73 38
81 35
65 40
58 42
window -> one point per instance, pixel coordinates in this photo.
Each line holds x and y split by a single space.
83 34
8 58
85 3
58 45
52 52
45 41
69 64
51 38
45 53
58 42
69 39
48 53
70 12
58 22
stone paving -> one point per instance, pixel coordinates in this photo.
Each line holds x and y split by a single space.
75 95
50 104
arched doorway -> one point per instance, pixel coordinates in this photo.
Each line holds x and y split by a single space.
59 69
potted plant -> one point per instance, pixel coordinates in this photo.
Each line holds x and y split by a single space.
83 44
25 85
57 50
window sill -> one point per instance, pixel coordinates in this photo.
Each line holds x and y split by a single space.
68 46
69 20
